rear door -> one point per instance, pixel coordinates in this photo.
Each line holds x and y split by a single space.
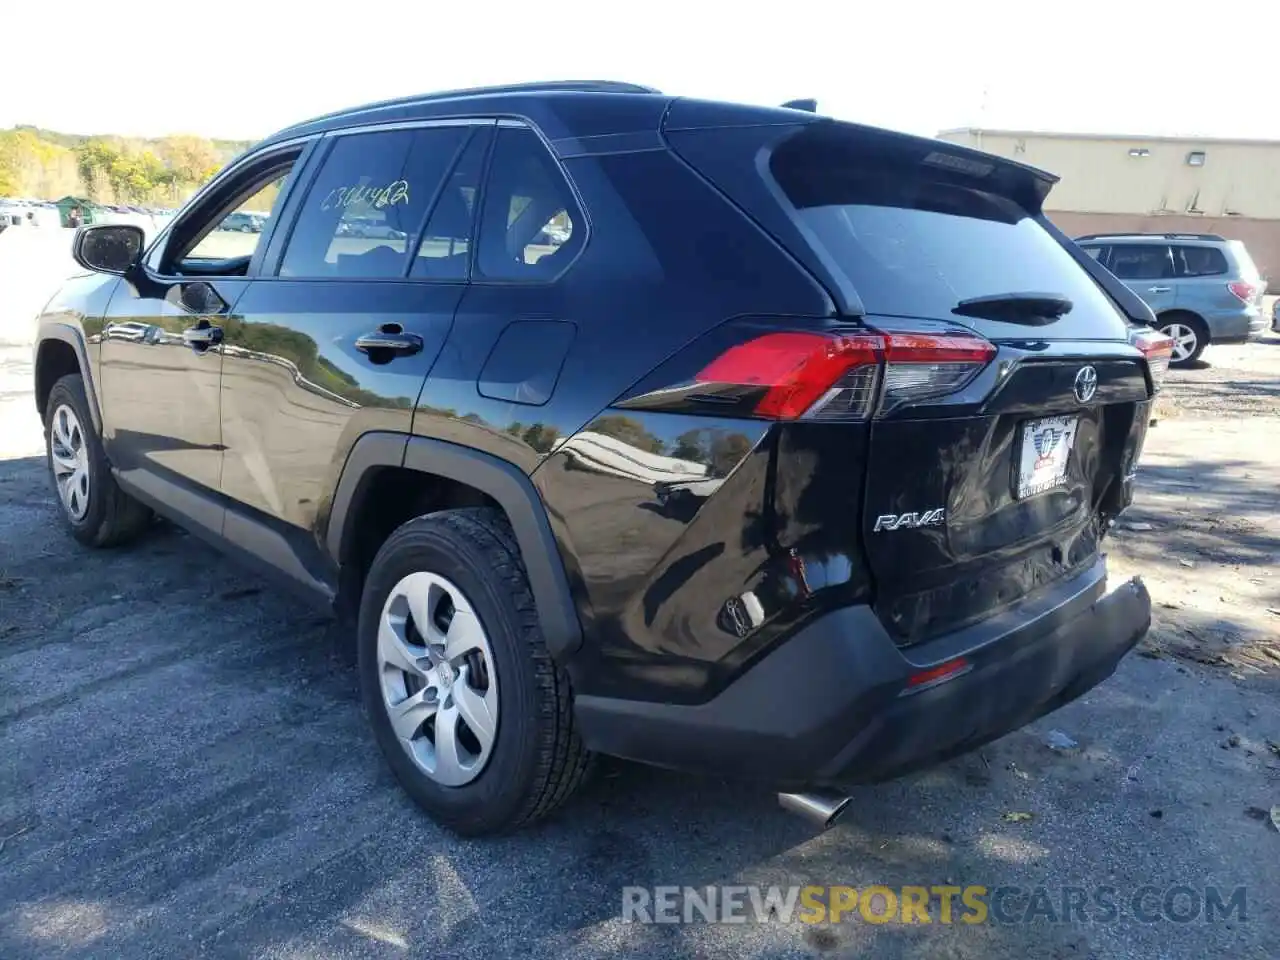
1208 286
987 480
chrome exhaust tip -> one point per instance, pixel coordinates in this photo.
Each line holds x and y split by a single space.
817 806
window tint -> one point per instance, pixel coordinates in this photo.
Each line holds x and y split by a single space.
446 241
915 246
368 201
531 227
1148 261
1199 261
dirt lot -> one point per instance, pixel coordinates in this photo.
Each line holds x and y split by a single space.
184 769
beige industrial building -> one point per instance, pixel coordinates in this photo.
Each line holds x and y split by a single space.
1153 184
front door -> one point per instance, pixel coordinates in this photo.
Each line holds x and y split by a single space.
1147 270
162 346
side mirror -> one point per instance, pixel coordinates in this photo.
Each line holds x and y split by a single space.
108 247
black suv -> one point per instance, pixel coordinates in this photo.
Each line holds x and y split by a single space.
725 438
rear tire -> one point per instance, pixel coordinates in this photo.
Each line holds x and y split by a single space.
1190 337
530 760
97 512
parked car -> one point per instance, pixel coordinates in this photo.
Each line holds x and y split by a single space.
243 222
12 215
901 466
369 227
1202 287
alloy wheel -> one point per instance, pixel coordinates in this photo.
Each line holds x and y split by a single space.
437 676
70 458
1184 340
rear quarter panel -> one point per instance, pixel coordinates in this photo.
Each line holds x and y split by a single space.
1223 312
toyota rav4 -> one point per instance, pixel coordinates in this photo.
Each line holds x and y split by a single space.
724 438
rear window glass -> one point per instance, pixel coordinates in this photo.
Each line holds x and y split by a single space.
1248 269
1199 261
913 246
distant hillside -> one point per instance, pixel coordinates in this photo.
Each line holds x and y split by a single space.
227 148
160 171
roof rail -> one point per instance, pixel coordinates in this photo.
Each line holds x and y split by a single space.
1166 236
542 86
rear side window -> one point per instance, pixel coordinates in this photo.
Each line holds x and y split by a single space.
915 243
1142 261
1095 252
531 227
362 214
1199 261
445 247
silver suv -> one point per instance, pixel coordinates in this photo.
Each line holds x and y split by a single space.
1202 288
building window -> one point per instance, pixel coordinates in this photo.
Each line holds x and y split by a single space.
1195 158
1139 152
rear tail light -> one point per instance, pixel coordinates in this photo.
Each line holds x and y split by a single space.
796 368
1158 349
918 366
836 377
1243 289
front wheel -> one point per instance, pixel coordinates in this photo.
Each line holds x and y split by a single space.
1189 339
94 507
464 699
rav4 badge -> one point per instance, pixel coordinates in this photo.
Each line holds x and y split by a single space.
910 521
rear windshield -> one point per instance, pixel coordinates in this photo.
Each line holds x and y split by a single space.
915 245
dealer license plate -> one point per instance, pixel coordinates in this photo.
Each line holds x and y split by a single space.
1045 452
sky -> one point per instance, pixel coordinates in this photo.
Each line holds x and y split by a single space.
240 70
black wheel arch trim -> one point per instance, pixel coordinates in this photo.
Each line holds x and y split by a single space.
65 333
505 483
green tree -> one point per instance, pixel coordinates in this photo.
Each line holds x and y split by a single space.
541 437
689 445
727 451
95 160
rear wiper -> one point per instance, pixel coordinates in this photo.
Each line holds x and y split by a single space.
1028 309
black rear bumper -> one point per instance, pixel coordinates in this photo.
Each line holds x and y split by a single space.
831 706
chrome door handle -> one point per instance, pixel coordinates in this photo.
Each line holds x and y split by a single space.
1158 289
401 344
202 338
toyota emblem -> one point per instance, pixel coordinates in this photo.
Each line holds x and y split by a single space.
1086 384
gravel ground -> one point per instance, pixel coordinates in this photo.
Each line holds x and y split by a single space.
184 770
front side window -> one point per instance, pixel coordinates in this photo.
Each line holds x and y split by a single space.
1148 261
531 227
362 214
239 232
219 234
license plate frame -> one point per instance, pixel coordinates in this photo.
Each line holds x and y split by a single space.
1045 445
